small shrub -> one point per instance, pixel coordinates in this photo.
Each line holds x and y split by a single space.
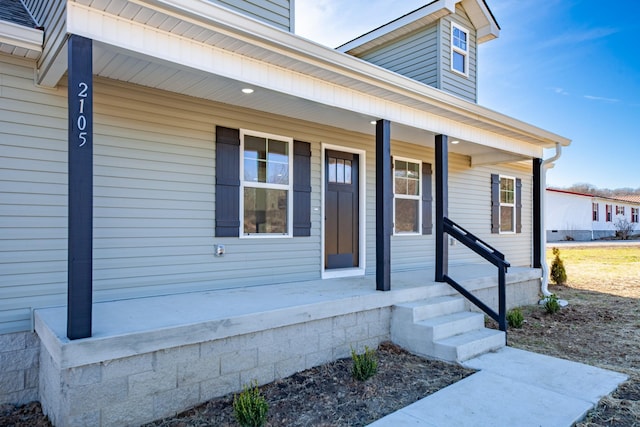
250 407
515 318
558 273
551 304
365 365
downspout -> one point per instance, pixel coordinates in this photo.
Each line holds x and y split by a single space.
546 164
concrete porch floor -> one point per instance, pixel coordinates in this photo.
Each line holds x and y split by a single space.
128 327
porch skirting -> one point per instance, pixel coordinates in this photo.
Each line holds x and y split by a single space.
154 357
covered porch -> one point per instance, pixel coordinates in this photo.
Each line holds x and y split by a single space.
286 76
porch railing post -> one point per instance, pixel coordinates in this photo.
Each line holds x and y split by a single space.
442 206
502 299
384 200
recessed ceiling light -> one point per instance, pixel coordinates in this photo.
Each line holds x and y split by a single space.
373 122
455 141
247 90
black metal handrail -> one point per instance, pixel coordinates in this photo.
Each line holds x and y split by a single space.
492 255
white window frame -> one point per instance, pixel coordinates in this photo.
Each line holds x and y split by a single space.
288 187
595 212
608 215
511 205
463 52
408 197
635 214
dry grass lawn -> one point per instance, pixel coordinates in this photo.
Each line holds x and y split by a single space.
600 326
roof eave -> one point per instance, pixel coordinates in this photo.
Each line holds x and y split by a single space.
21 39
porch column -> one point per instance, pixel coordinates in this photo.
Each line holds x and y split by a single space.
442 206
80 228
384 199
537 212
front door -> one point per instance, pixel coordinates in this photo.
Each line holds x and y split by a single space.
341 210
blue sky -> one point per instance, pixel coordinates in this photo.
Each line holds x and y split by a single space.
569 66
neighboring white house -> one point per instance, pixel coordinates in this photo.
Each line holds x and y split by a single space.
577 216
156 148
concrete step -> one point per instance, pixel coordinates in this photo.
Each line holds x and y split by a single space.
465 346
430 308
441 327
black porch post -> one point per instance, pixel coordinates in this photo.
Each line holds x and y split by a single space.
442 206
384 199
537 212
80 231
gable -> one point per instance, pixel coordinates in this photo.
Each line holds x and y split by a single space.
278 13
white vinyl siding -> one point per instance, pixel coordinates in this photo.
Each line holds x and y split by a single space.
275 12
414 56
452 81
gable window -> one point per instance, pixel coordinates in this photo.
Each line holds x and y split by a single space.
407 196
266 169
634 214
594 209
619 210
506 204
609 212
459 49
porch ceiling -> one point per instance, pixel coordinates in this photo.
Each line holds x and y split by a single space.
113 63
204 50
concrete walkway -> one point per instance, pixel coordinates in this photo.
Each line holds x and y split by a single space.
512 388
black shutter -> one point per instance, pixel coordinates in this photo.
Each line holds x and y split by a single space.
495 203
227 182
427 199
301 188
518 205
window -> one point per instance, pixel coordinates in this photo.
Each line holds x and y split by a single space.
459 49
619 210
269 185
634 214
407 196
609 212
266 192
594 209
506 204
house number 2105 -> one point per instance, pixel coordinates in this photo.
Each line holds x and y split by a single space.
82 119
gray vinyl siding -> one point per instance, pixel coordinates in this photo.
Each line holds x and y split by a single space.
33 196
452 81
274 12
154 198
50 14
470 206
411 252
414 56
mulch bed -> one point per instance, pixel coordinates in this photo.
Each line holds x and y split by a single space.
329 396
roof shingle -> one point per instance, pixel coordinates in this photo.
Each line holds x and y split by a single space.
13 11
